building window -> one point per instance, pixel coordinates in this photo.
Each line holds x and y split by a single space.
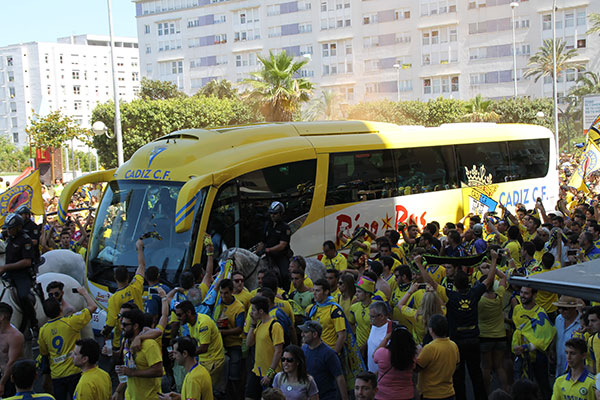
134 76
11 92
13 106
177 67
16 137
77 105
581 43
148 49
581 17
426 86
11 76
76 89
146 29
14 122
75 75
547 22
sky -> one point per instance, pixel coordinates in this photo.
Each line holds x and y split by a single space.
46 20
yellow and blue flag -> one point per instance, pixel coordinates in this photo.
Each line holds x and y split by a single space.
590 162
533 326
28 192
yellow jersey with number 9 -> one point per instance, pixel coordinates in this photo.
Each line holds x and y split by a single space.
57 341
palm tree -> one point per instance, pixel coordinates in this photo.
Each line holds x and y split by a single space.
278 86
595 22
540 64
219 88
479 110
325 107
587 83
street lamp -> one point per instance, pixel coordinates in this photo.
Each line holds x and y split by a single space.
398 66
514 5
116 93
554 79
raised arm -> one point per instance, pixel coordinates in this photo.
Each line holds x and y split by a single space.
490 277
210 263
91 304
141 269
426 277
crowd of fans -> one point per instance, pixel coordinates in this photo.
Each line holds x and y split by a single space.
401 316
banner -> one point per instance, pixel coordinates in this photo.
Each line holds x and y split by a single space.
27 191
590 162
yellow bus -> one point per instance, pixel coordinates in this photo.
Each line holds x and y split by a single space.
331 176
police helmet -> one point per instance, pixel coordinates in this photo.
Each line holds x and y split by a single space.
12 221
276 208
23 210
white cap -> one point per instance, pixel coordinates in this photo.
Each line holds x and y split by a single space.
557 213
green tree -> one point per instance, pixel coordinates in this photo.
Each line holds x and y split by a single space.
588 82
51 131
325 107
444 111
480 110
159 90
278 86
595 23
540 64
218 88
143 121
523 110
11 158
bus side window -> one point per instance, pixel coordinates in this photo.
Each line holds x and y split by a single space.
360 176
493 157
529 158
425 169
241 206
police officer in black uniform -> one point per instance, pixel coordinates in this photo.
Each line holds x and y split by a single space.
18 266
32 230
276 242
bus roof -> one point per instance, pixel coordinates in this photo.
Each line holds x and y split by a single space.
231 151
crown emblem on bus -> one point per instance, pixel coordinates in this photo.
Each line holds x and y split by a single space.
477 177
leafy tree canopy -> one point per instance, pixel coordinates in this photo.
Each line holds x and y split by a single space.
159 90
53 130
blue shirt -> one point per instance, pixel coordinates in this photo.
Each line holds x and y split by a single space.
480 246
30 395
563 333
592 253
153 303
323 364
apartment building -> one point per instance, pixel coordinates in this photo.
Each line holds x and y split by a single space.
365 50
73 75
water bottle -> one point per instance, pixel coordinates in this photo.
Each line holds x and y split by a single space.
108 347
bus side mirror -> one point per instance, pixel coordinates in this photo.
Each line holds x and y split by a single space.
187 202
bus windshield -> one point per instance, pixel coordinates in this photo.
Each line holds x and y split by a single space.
128 210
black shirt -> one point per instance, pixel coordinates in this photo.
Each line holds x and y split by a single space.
19 248
276 233
462 312
33 231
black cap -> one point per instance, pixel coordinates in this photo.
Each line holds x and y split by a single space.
312 326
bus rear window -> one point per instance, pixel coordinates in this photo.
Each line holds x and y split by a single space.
529 158
493 157
360 176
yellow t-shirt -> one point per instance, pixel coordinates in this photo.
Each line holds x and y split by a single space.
594 350
514 248
416 322
130 293
338 262
359 317
344 303
144 388
491 316
332 321
286 307
244 297
413 302
566 388
545 299
437 272
234 313
438 360
197 384
205 331
57 339
94 384
265 346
